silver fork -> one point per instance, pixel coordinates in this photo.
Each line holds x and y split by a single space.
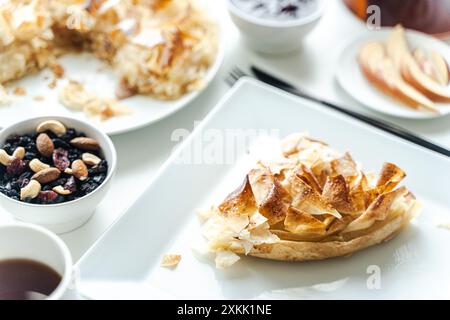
234 75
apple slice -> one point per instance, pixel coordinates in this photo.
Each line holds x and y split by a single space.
433 65
441 65
398 51
412 73
381 71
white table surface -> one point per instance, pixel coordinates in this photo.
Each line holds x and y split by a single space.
142 152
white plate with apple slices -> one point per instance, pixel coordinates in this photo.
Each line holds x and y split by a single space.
402 73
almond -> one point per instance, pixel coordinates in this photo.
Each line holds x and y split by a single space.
85 143
46 175
45 145
79 170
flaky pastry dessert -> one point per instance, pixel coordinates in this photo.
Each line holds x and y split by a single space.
313 203
160 48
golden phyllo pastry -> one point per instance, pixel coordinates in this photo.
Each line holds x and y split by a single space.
313 203
161 48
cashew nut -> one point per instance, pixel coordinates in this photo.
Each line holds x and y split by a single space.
5 158
19 153
60 190
54 126
90 159
36 165
31 190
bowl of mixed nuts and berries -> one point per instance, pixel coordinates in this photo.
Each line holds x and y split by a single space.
54 171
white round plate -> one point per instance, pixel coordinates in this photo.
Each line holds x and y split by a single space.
353 81
98 78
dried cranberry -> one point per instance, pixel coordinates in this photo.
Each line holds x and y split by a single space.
71 184
16 167
47 197
60 159
23 180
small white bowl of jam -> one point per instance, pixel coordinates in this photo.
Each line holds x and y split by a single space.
275 26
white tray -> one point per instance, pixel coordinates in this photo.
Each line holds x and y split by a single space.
163 220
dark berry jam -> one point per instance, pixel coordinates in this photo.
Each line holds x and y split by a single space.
278 9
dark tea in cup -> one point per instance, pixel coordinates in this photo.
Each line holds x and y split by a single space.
24 279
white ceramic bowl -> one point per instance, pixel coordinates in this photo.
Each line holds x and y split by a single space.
25 241
271 36
63 217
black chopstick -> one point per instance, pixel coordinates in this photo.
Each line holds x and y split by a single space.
385 126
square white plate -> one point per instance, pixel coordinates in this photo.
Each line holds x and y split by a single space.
163 220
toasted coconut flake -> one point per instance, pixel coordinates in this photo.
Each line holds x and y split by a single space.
240 201
377 211
269 194
256 220
303 223
306 199
306 174
225 259
336 192
390 176
345 166
170 260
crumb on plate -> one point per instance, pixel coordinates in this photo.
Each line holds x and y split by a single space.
75 97
57 70
38 98
19 91
170 260
52 85
444 225
5 99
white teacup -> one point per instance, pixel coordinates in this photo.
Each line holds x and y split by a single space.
30 242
